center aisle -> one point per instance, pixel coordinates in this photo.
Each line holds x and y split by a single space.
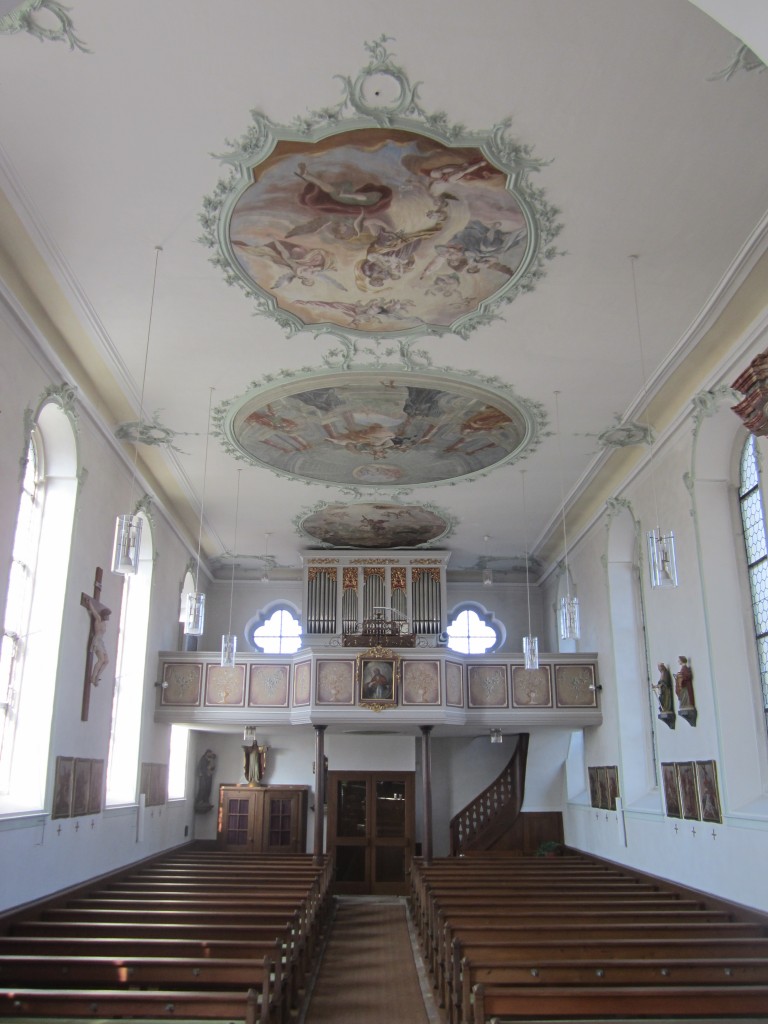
368 972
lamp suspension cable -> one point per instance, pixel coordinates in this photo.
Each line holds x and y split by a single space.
229 639
662 564
530 642
570 626
195 622
127 543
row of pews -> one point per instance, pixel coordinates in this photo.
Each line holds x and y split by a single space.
527 938
197 935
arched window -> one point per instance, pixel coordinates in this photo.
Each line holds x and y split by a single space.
472 630
34 608
123 763
756 544
276 631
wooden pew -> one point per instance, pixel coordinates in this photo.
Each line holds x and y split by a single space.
446 972
196 954
157 1005
650 971
502 1003
226 922
160 973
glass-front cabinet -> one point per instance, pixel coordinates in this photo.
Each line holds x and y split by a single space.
263 819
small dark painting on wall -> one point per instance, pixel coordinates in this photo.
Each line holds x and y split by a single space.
62 787
709 796
594 791
686 781
671 791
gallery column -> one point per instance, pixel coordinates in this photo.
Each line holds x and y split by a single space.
426 789
319 792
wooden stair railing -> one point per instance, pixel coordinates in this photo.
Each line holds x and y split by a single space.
481 823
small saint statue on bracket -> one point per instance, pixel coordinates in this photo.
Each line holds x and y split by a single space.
663 690
686 701
254 764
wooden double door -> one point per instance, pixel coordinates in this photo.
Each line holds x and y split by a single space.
371 830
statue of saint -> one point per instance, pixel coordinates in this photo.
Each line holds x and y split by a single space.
206 766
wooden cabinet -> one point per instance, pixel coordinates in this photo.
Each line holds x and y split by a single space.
263 819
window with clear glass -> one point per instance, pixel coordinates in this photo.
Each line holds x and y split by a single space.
471 633
18 606
29 653
756 545
127 701
280 633
177 762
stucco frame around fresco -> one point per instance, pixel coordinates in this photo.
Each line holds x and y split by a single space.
375 218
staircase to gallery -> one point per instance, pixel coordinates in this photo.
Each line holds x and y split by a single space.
494 819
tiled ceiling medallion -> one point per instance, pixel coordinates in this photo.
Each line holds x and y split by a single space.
381 427
376 218
374 524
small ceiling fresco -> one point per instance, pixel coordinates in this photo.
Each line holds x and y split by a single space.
388 428
388 222
374 525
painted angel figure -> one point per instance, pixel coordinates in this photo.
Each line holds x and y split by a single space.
300 264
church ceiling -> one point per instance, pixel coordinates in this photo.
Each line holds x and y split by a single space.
377 217
416 225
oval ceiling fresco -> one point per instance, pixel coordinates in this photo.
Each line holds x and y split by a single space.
374 525
393 429
378 230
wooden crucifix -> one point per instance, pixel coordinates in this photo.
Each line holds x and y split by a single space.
96 658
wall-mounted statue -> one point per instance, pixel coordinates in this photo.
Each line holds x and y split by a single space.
206 766
686 701
254 764
665 696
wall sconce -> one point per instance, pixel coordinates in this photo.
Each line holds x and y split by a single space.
496 736
249 734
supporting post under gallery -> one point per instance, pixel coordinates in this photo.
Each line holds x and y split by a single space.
426 783
317 853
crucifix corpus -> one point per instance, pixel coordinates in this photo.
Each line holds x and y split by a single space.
96 658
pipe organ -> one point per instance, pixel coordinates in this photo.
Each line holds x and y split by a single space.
358 592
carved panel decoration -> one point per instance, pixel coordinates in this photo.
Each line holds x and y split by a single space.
268 686
335 682
531 688
225 685
488 686
301 683
421 682
575 686
182 684
377 217
454 687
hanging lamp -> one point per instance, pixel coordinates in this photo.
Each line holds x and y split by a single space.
530 642
127 543
229 639
662 564
195 620
570 626
487 571
265 575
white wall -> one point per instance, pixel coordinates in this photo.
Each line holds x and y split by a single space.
38 854
692 482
